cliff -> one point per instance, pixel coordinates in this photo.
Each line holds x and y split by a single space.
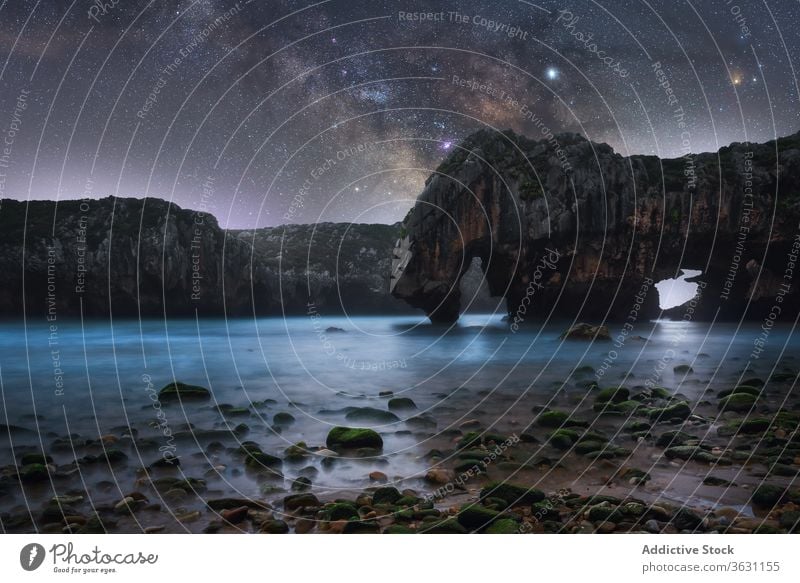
132 257
570 228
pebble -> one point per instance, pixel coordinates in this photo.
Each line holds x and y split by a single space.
378 477
440 476
189 516
154 529
606 526
652 526
235 515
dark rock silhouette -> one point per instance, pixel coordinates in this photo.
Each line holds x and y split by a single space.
131 257
581 231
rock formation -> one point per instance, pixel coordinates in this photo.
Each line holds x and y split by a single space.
134 257
577 230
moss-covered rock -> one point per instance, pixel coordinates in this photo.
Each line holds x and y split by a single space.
475 516
767 495
678 410
33 473
274 527
386 495
371 415
512 494
183 391
304 500
401 404
754 426
613 395
297 451
682 369
350 437
503 526
738 402
637 426
259 459
673 438
621 407
340 511
585 447
35 458
583 331
398 529
447 526
283 419
563 439
552 418
748 389
476 438
604 511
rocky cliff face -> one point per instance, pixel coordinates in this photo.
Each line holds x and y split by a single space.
576 230
134 257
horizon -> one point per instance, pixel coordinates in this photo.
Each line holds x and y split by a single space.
403 210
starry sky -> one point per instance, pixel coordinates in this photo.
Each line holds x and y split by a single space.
276 111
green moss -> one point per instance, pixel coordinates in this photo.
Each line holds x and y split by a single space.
177 390
585 447
386 495
340 511
503 526
475 516
447 526
739 402
613 395
259 459
563 439
398 529
350 437
33 473
530 189
679 410
747 389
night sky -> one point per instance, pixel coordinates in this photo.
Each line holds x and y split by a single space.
272 112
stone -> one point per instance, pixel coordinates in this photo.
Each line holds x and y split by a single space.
372 415
235 515
386 495
274 527
475 516
440 476
401 404
612 395
348 438
583 331
378 477
512 494
739 402
297 501
183 391
767 496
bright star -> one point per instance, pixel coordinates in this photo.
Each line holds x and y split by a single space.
552 73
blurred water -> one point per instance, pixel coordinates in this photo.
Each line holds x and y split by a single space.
315 367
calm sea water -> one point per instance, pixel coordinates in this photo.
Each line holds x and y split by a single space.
92 379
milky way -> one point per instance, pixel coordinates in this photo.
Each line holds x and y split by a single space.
272 112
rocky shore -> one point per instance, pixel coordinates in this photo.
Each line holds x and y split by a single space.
605 460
